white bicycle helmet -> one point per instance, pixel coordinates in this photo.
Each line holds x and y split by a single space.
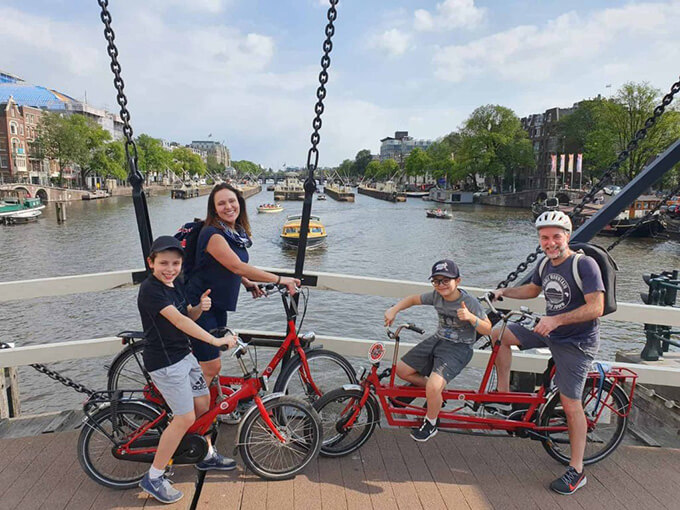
554 219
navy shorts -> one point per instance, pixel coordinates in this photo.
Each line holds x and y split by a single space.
443 357
212 319
573 360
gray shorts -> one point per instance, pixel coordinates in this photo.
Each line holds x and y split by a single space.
572 359
180 383
443 357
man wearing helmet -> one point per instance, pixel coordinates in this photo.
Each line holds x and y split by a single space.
570 329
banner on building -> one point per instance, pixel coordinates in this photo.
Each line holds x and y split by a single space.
553 164
562 163
579 163
571 163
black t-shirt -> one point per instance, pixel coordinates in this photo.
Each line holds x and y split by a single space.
165 344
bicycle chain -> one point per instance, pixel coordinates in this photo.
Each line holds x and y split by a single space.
56 375
604 180
112 50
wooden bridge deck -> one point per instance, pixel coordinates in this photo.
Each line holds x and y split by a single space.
391 471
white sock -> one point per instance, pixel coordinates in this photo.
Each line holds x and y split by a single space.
211 452
432 422
154 473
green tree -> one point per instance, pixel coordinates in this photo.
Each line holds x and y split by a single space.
56 140
90 138
215 168
361 161
372 170
417 162
151 155
345 169
186 163
493 144
109 161
245 167
388 169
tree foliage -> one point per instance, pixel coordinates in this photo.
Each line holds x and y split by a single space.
151 155
245 167
186 163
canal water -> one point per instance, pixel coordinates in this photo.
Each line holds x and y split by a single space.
367 238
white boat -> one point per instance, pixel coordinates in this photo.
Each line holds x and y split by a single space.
13 210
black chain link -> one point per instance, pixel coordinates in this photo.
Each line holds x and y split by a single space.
55 375
313 154
112 50
604 180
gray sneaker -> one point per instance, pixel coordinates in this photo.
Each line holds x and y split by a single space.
160 488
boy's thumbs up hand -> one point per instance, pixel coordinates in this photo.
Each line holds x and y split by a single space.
463 312
206 302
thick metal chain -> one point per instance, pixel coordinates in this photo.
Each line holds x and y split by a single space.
55 375
62 379
605 179
112 50
313 154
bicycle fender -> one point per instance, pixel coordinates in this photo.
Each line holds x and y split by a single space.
253 409
350 387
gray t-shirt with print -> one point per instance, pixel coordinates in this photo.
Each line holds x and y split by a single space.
450 326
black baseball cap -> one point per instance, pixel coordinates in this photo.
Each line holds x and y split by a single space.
164 243
445 267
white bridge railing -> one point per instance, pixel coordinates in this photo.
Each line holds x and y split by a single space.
48 353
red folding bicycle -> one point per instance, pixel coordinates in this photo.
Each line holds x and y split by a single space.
277 437
349 414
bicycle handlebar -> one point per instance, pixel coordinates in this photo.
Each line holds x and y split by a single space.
272 288
407 325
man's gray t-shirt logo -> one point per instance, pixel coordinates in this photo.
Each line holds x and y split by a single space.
557 292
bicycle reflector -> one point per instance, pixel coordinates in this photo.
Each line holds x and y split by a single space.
376 352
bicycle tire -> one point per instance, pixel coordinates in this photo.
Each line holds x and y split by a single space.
330 408
613 426
94 447
125 373
329 370
298 422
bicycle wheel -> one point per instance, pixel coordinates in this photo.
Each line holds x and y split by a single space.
335 408
604 435
95 446
264 454
125 372
329 370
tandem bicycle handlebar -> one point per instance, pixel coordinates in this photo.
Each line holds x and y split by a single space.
520 315
394 335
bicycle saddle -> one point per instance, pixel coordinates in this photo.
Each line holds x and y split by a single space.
126 336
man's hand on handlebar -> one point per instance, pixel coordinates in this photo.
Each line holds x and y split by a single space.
496 295
390 315
254 289
546 325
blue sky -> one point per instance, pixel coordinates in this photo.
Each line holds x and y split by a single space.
246 71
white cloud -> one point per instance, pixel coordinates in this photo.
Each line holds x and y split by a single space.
529 53
393 41
449 14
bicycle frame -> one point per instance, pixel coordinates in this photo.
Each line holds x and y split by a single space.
524 421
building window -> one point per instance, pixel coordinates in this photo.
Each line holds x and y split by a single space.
13 127
3 162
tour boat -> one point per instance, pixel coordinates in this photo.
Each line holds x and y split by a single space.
269 208
13 210
290 235
439 213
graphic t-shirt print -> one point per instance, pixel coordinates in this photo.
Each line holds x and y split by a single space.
557 292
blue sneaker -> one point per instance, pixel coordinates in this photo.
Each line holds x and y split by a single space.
217 462
160 488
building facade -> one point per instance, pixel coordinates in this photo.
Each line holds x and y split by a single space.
216 149
399 146
546 139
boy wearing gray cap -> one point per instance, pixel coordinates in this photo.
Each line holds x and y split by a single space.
435 361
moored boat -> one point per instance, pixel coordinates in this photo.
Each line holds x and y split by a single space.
290 234
14 210
269 208
321 196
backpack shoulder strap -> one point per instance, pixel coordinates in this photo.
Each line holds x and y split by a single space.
541 267
574 270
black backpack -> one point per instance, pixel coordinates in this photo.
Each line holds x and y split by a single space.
188 237
606 263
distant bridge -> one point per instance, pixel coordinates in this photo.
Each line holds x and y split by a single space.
45 193
526 198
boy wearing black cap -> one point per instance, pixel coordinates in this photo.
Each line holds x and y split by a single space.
435 361
167 319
